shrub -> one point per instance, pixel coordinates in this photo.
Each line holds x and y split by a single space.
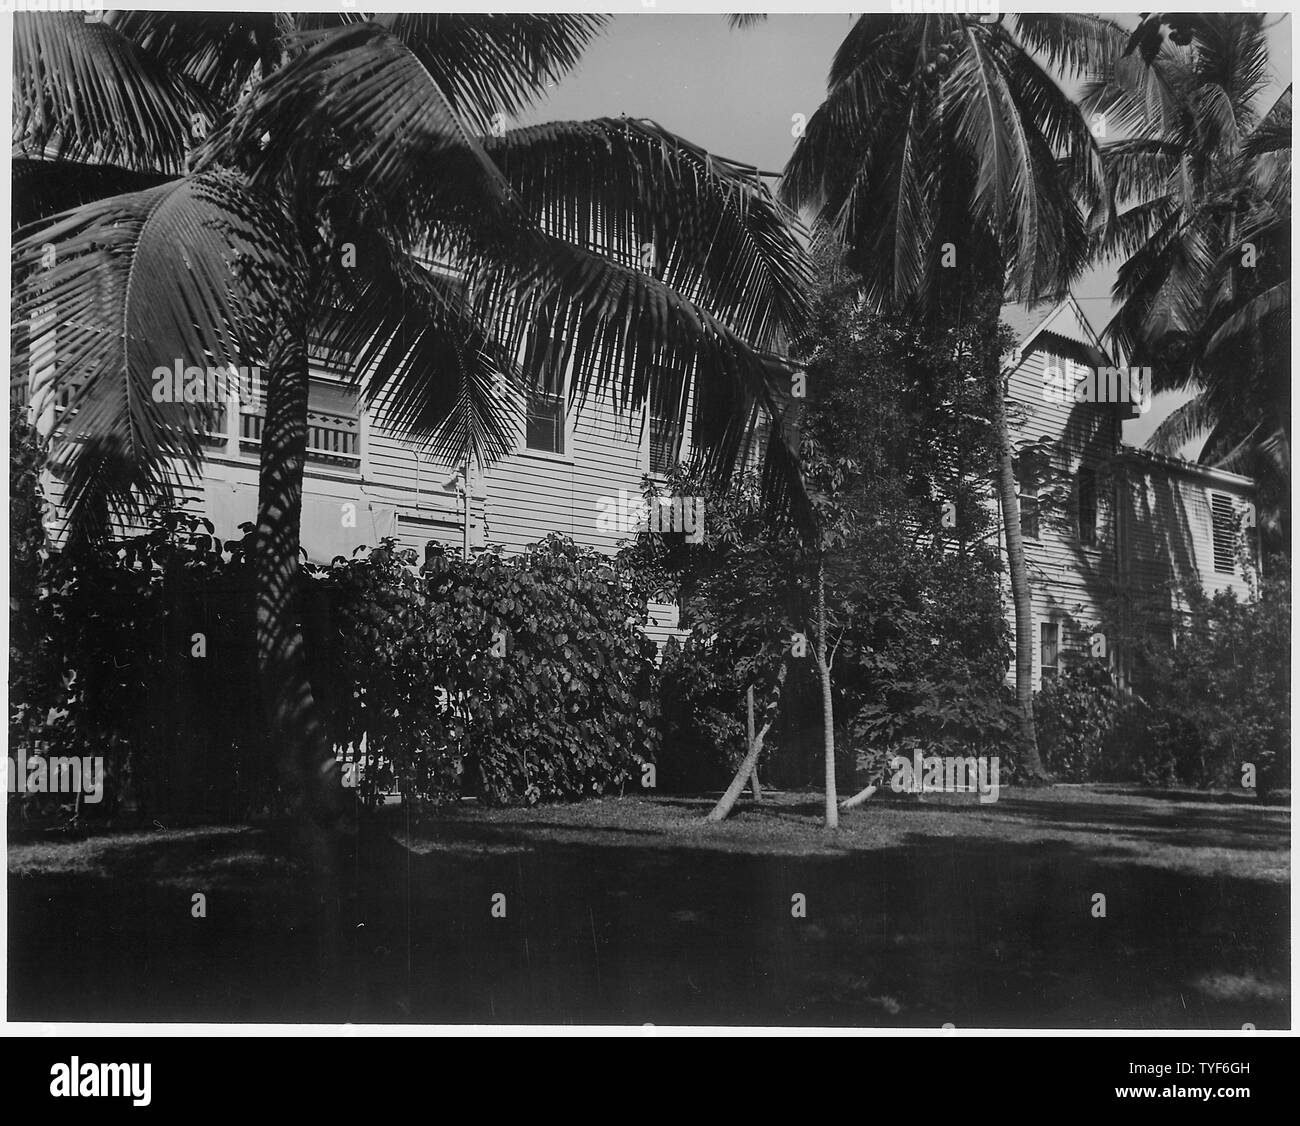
702 719
1075 714
1210 700
1220 697
516 679
108 669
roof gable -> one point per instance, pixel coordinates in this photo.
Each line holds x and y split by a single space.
1066 320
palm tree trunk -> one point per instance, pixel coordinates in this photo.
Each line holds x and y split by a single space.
304 757
1018 569
749 768
828 702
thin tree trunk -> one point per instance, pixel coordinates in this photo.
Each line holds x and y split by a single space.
755 786
828 703
304 757
1020 594
858 798
746 770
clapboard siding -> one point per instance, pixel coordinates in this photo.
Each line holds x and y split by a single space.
1154 520
1169 514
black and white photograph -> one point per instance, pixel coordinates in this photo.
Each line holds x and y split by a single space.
659 520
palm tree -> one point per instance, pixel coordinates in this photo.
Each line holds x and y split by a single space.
1203 179
948 162
339 157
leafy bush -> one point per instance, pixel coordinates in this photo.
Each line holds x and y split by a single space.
702 719
1220 697
134 654
930 673
518 679
1075 714
1212 697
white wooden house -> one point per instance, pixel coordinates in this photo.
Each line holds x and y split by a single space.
1126 528
570 472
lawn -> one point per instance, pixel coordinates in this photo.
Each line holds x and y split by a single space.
631 910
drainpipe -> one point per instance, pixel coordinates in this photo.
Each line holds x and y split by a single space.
461 484
468 501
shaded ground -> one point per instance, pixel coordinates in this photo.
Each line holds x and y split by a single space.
630 910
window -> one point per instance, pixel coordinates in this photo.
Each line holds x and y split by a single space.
1087 508
1029 507
665 440
1049 649
333 423
1223 517
664 420
544 428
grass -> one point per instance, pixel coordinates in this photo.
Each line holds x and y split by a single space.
628 910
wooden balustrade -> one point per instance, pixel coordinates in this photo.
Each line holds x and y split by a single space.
330 437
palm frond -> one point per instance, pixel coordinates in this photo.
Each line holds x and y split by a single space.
1273 133
430 368
1075 44
487 64
622 330
219 51
1247 319
183 275
84 92
1185 423
43 188
390 121
706 226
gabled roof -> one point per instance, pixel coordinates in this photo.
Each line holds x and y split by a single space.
1065 319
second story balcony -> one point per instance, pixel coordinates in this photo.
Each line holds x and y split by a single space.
332 438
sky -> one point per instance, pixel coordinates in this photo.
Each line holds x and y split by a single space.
735 92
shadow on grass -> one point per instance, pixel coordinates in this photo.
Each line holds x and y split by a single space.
629 925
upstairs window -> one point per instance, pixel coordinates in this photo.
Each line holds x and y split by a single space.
1223 518
545 423
664 421
665 441
1087 508
1029 506
333 423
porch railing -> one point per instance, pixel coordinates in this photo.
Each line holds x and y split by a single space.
334 438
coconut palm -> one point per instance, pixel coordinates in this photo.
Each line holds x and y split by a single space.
948 161
353 184
1202 175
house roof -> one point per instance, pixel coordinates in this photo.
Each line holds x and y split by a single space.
1182 465
1065 319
